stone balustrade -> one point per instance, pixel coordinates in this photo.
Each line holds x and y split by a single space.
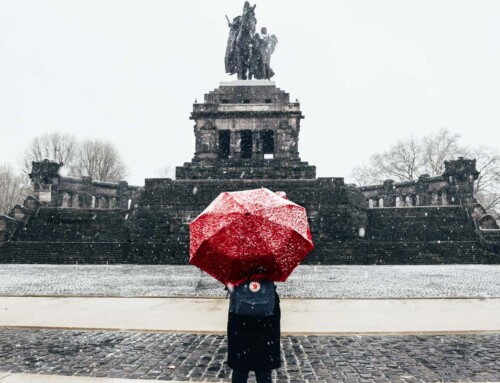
55 190
454 187
426 191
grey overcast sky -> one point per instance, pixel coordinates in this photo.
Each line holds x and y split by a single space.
366 73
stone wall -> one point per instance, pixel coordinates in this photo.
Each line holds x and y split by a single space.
159 224
366 252
247 135
76 225
423 224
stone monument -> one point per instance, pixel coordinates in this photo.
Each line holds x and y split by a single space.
246 137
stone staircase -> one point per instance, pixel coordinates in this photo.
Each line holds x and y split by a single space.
65 252
491 238
420 224
371 252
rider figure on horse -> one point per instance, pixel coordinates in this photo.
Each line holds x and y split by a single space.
248 54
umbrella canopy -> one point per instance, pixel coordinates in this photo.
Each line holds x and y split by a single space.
250 232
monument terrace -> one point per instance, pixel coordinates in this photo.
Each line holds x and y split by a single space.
246 137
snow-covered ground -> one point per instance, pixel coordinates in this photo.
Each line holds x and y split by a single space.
443 281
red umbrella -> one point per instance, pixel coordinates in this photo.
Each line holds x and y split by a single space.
241 234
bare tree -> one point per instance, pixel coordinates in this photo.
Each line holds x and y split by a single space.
13 188
487 186
366 175
52 146
402 162
437 148
411 157
168 171
99 160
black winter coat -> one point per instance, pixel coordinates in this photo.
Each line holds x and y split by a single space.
253 342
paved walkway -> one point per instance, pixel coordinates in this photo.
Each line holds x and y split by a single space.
471 281
38 378
321 359
311 316
80 321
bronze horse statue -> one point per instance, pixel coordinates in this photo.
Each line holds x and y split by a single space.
240 43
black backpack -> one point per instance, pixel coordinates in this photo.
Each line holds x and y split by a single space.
253 298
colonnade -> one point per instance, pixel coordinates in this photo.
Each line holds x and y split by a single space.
439 198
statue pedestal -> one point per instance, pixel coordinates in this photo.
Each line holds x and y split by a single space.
246 129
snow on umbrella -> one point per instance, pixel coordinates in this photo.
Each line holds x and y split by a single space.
247 232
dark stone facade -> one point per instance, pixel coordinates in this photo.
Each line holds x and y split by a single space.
247 136
335 211
246 130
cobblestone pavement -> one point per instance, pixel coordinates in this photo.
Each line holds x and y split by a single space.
470 281
430 358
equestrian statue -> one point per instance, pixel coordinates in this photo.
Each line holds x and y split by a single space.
248 54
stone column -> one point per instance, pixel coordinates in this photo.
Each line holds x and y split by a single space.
206 141
65 199
444 197
75 201
295 137
235 144
423 189
86 192
399 201
389 196
123 195
281 142
257 145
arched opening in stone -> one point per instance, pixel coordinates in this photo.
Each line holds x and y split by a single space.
444 198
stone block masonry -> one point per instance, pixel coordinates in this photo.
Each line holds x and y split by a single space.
247 137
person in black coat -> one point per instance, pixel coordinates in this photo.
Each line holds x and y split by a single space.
254 345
